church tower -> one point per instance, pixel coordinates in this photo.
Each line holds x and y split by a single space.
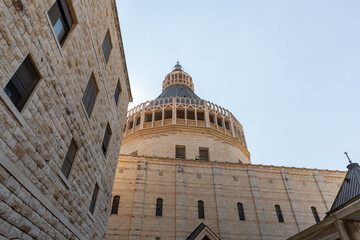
179 124
184 172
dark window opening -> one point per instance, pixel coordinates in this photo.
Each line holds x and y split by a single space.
204 154
180 114
115 205
278 213
61 19
138 121
90 94
22 84
241 212
316 215
206 238
158 116
201 212
117 93
190 115
200 116
131 125
211 118
227 125
106 46
159 207
69 159
93 199
148 117
106 139
168 114
219 122
180 152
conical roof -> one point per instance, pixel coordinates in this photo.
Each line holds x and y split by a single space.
349 189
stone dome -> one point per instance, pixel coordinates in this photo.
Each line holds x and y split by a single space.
178 118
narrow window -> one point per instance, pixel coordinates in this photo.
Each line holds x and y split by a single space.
158 116
138 121
227 125
61 19
117 93
90 95
200 116
106 46
22 84
219 122
115 205
211 118
241 211
168 114
315 213
204 154
201 212
106 139
69 159
131 125
93 199
180 152
159 207
278 213
190 115
148 117
180 114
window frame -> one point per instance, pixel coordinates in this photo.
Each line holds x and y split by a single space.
315 214
279 213
176 151
71 162
94 197
117 93
89 109
207 153
66 15
18 82
159 207
115 205
241 211
201 209
107 133
107 36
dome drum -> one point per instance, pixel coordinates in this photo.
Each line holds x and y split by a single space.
183 111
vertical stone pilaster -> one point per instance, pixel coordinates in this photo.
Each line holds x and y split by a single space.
323 189
293 201
222 210
257 201
137 213
181 209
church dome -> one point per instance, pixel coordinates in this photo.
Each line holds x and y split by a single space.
179 121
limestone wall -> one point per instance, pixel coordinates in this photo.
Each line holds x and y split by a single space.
35 200
140 181
162 144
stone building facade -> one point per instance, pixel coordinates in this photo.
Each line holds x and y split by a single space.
64 92
184 172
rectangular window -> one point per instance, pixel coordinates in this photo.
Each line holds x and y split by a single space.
106 139
117 93
22 84
148 117
180 152
211 118
158 116
93 199
241 212
69 159
219 122
204 154
106 46
115 205
279 214
90 94
316 215
61 19
227 125
138 121
180 114
168 114
201 212
190 115
159 207
200 116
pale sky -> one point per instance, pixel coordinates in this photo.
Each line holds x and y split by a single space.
288 70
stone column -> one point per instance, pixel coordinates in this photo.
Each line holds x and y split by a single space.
257 201
293 201
181 226
323 189
137 213
222 209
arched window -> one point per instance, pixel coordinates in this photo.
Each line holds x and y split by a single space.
315 213
115 205
278 213
241 211
159 207
201 212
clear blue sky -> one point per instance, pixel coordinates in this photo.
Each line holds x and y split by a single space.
288 70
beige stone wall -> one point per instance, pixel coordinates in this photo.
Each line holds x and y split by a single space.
34 200
140 181
163 145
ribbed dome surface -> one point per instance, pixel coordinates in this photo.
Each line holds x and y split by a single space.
178 91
